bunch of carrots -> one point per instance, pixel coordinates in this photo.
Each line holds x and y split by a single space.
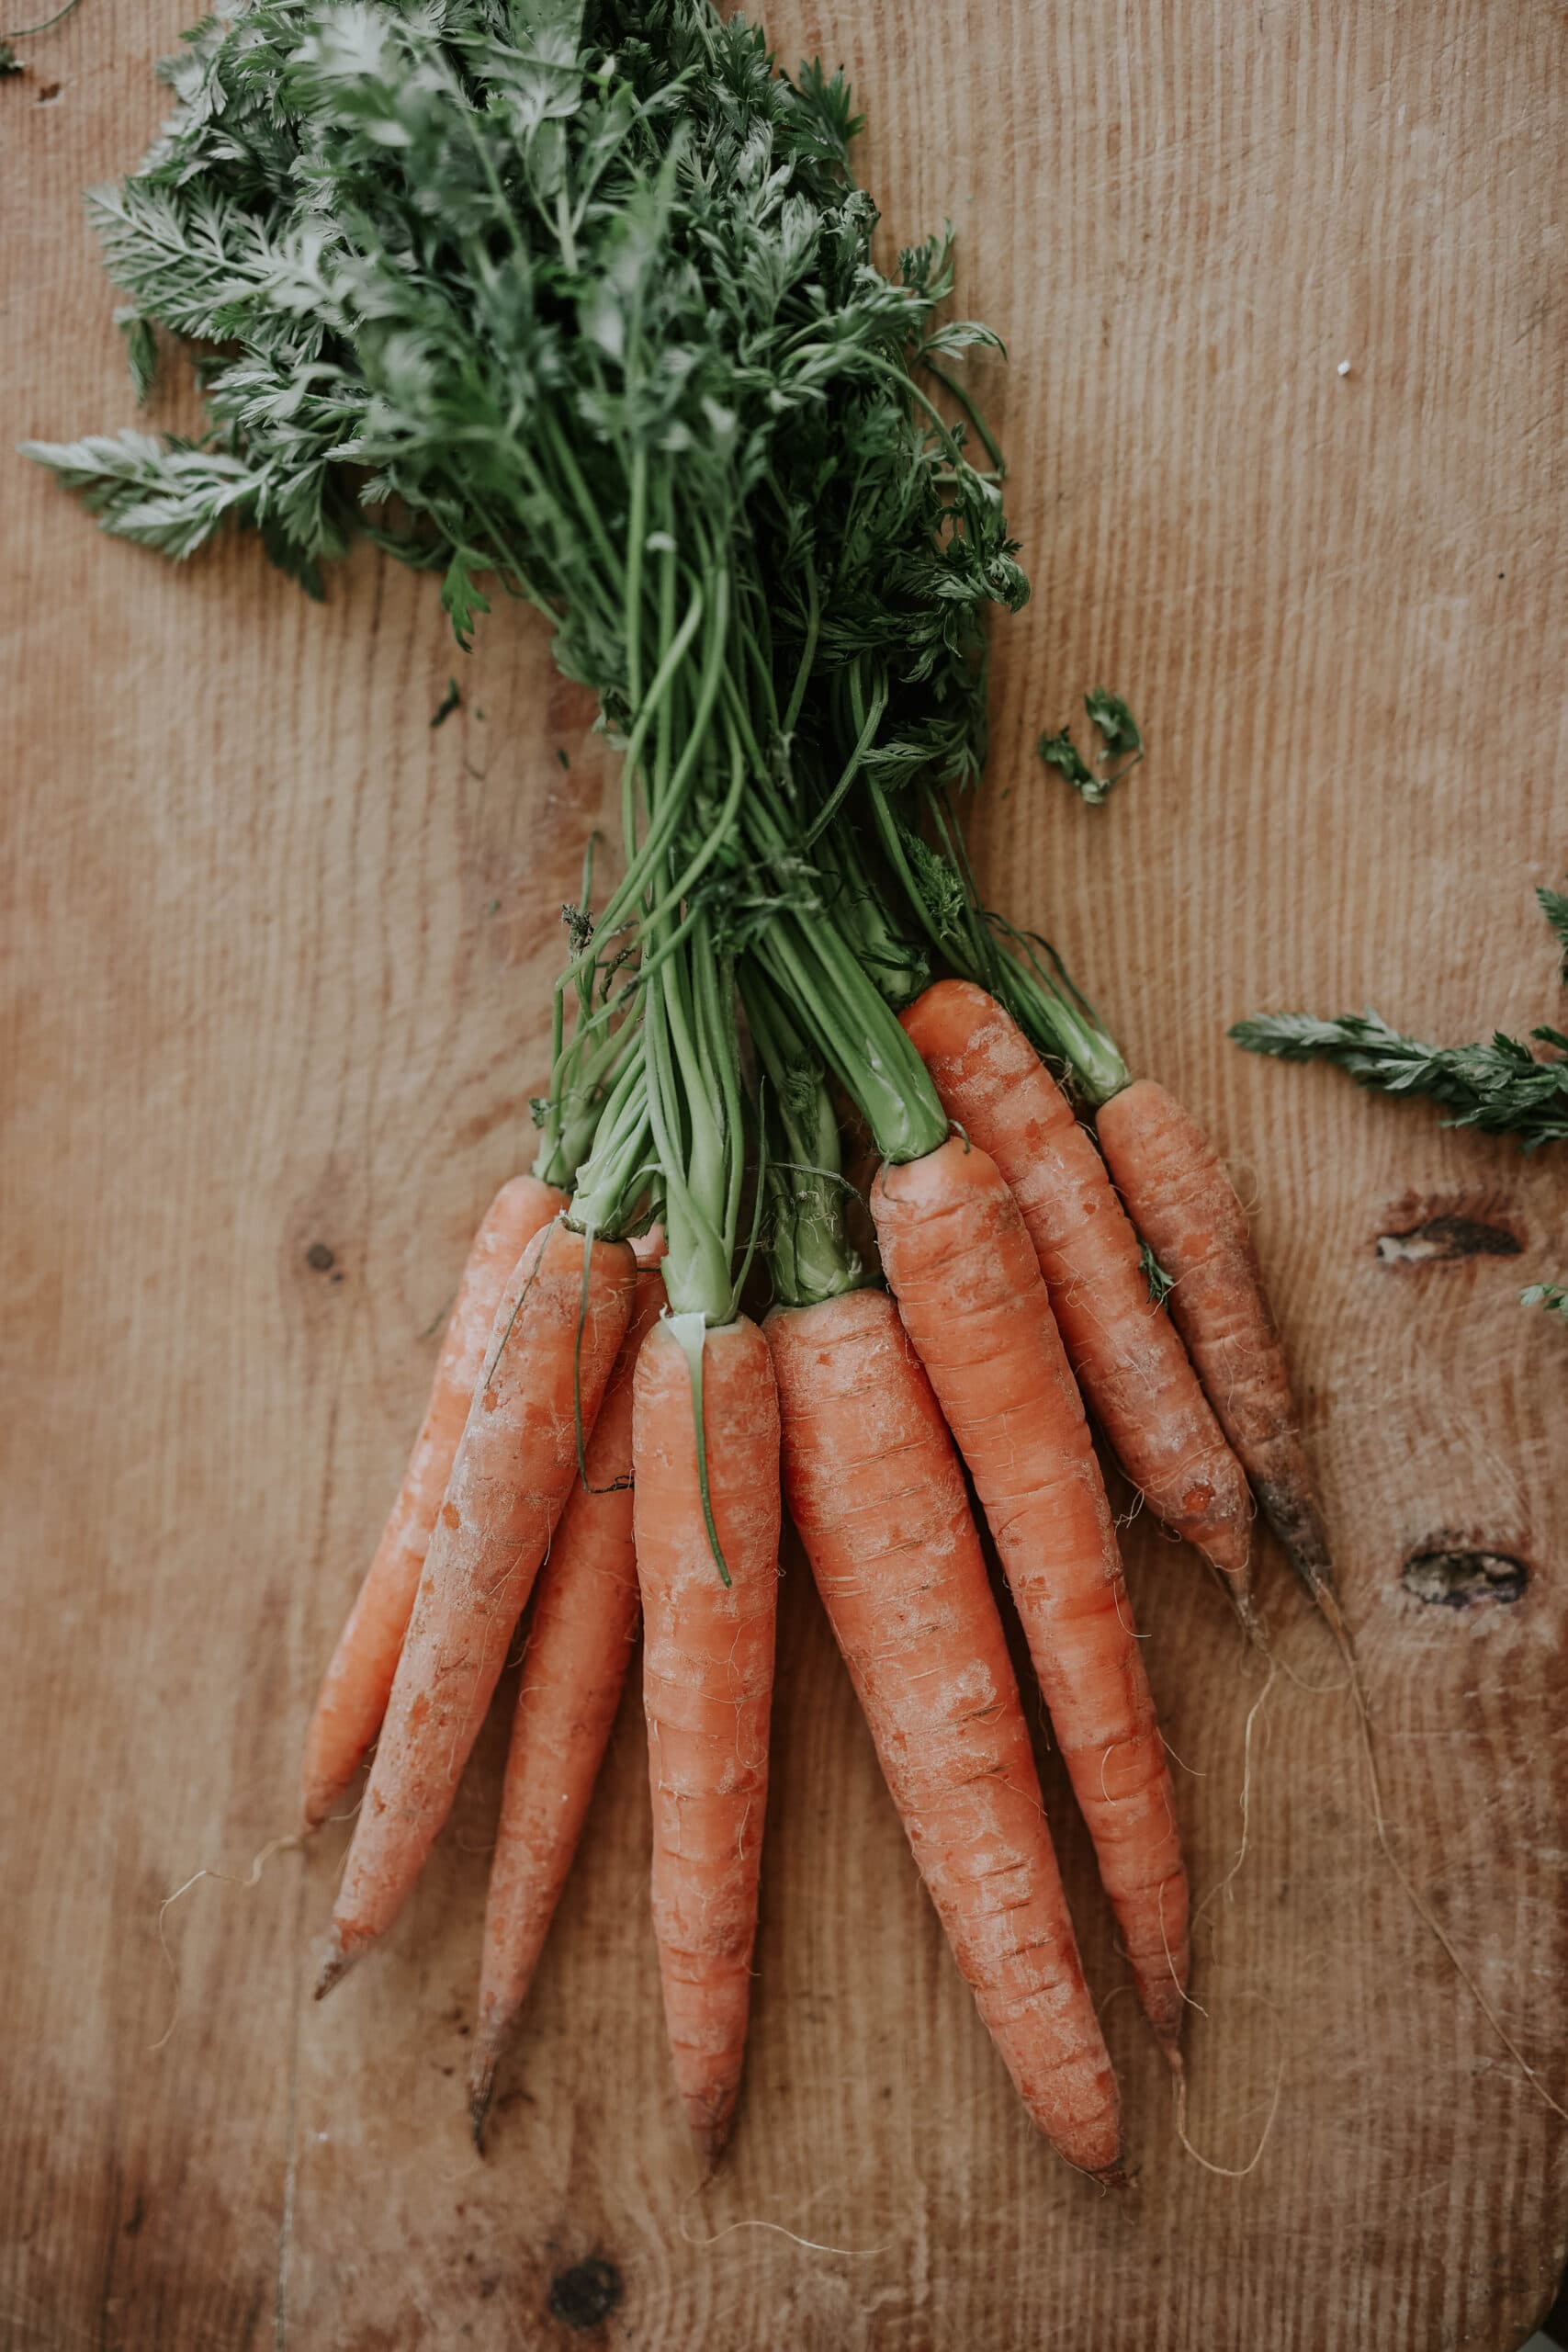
579 302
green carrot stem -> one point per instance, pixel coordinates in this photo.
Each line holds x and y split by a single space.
809 1256
856 1035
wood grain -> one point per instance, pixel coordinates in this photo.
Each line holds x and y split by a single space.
274 953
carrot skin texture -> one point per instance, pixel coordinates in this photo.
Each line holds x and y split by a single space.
1124 1350
707 1692
358 1680
585 1621
1183 1202
513 1472
970 1294
874 1487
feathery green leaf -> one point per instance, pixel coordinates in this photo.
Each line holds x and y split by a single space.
1554 907
1499 1087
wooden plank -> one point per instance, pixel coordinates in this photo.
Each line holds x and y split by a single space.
274 954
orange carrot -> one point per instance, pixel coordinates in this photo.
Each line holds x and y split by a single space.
354 1692
580 1644
875 1488
708 1690
1122 1346
1185 1206
972 1301
552 1346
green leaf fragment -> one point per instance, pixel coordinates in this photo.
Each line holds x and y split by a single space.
1116 723
1160 1283
1060 752
1499 1086
1118 731
1554 907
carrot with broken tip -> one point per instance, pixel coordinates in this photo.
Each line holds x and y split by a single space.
552 1348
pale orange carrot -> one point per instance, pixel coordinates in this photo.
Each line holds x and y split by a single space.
708 1690
1122 1345
359 1680
1185 1205
552 1347
875 1488
970 1292
580 1644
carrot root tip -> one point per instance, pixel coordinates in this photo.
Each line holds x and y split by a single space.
335 1966
1247 1618
481 2091
710 2141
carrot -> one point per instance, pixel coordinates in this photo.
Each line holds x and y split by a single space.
875 1488
1125 1351
359 1680
1184 1204
972 1299
552 1346
585 1622
707 1689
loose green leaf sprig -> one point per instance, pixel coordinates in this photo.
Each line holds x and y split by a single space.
1552 1296
1118 730
1500 1087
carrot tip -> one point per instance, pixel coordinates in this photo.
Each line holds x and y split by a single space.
481 2090
1245 1609
335 1966
1326 1595
1112 2176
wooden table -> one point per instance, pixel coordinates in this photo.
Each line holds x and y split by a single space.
1284 293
